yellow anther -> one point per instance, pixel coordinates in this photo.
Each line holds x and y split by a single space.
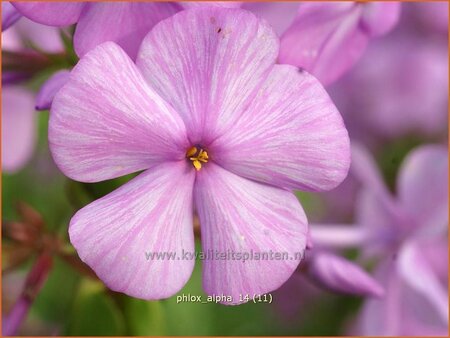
197 156
191 152
202 156
197 164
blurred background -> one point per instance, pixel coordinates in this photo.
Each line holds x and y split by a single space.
393 100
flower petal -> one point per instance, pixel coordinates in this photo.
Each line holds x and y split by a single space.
423 187
116 234
49 89
410 104
18 127
125 23
366 170
291 136
378 18
383 221
242 218
26 33
325 39
9 15
50 13
278 14
382 317
402 311
342 236
208 63
198 4
419 275
341 275
107 122
432 15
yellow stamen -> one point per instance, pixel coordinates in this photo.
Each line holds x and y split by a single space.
197 156
203 156
191 152
197 164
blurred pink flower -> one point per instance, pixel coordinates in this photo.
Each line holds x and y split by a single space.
26 33
395 95
327 38
18 127
322 269
421 202
416 299
18 106
403 232
205 93
386 97
23 38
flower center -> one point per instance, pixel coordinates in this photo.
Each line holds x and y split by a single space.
197 156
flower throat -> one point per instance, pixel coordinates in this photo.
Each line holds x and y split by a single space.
197 155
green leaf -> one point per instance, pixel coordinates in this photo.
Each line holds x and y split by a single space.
55 299
144 318
311 203
95 313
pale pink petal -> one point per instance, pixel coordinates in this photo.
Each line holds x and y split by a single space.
125 23
397 96
338 235
50 13
435 250
291 135
383 220
279 14
244 218
26 33
341 275
419 275
383 317
325 39
107 122
199 4
49 89
378 18
9 15
208 63
422 187
377 211
403 310
18 127
365 170
117 234
11 41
